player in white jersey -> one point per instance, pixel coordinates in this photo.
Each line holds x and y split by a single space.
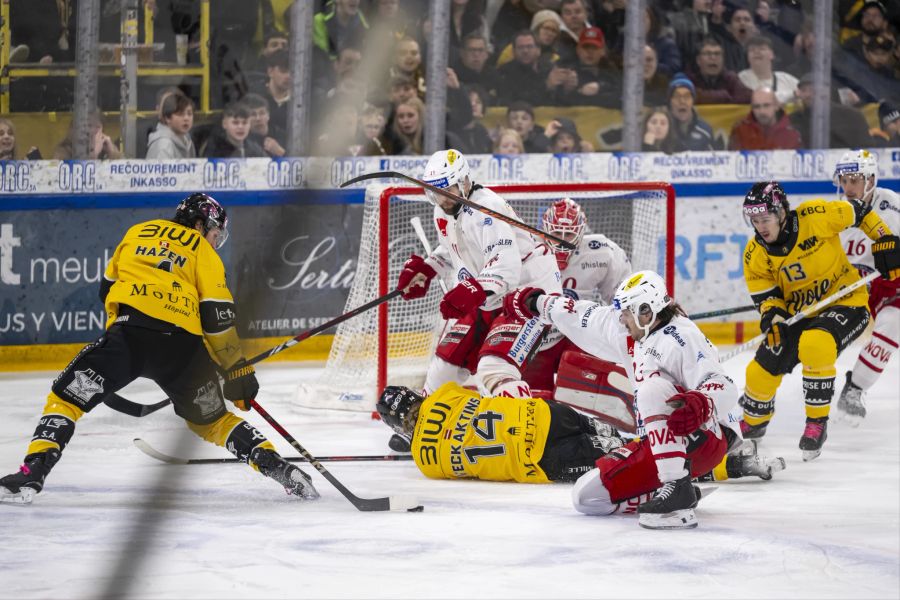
590 272
683 396
487 258
856 177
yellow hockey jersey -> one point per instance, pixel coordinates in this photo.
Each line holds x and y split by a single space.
461 435
811 264
170 272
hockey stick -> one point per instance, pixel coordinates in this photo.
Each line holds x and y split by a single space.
722 313
397 503
174 460
802 314
123 405
473 205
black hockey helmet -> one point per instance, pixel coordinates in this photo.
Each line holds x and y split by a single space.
206 209
765 197
398 407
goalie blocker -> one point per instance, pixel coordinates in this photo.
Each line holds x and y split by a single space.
597 387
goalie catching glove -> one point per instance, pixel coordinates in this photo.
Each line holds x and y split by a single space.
886 252
692 410
464 298
772 324
240 384
415 278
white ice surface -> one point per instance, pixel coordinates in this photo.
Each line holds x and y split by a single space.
825 529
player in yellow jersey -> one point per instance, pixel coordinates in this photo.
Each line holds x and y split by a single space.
794 260
165 295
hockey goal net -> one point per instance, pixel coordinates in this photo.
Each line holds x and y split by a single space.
393 343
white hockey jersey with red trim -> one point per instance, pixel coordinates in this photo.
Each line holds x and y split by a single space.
677 351
857 244
473 245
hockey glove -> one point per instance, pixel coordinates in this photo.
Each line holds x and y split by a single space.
772 324
692 409
462 299
522 303
415 278
886 252
240 384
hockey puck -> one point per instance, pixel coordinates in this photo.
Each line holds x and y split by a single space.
418 508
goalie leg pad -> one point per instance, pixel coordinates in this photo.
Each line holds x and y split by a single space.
596 386
511 339
500 378
460 345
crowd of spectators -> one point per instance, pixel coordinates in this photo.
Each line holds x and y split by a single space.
369 57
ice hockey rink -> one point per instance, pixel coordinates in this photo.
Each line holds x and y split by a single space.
113 522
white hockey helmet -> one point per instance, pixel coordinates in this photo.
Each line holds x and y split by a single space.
564 218
643 292
857 161
446 168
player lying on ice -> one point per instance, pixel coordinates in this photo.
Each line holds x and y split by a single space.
165 294
457 433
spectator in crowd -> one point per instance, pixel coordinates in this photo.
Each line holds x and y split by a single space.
342 78
658 135
230 140
522 78
372 123
342 25
466 17
574 14
261 131
872 20
803 46
547 28
874 78
851 15
408 126
464 130
277 90
340 130
656 84
738 32
691 26
509 142
273 42
564 137
609 15
766 127
407 63
101 146
889 118
714 83
147 125
42 31
782 40
849 128
172 137
690 131
760 74
388 22
599 82
513 16
667 53
520 117
402 88
7 139
472 67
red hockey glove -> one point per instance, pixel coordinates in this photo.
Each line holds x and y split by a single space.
692 409
772 324
240 384
462 299
415 278
521 304
886 252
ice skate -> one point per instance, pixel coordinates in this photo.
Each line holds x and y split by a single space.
672 507
294 480
20 487
814 436
851 403
747 461
753 432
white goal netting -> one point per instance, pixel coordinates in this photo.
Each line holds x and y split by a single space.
393 343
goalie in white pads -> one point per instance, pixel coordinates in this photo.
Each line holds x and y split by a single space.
590 272
682 393
856 177
488 258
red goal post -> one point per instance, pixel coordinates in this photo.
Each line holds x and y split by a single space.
394 345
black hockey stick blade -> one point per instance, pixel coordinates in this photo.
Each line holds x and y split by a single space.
396 503
473 205
133 409
723 312
174 460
